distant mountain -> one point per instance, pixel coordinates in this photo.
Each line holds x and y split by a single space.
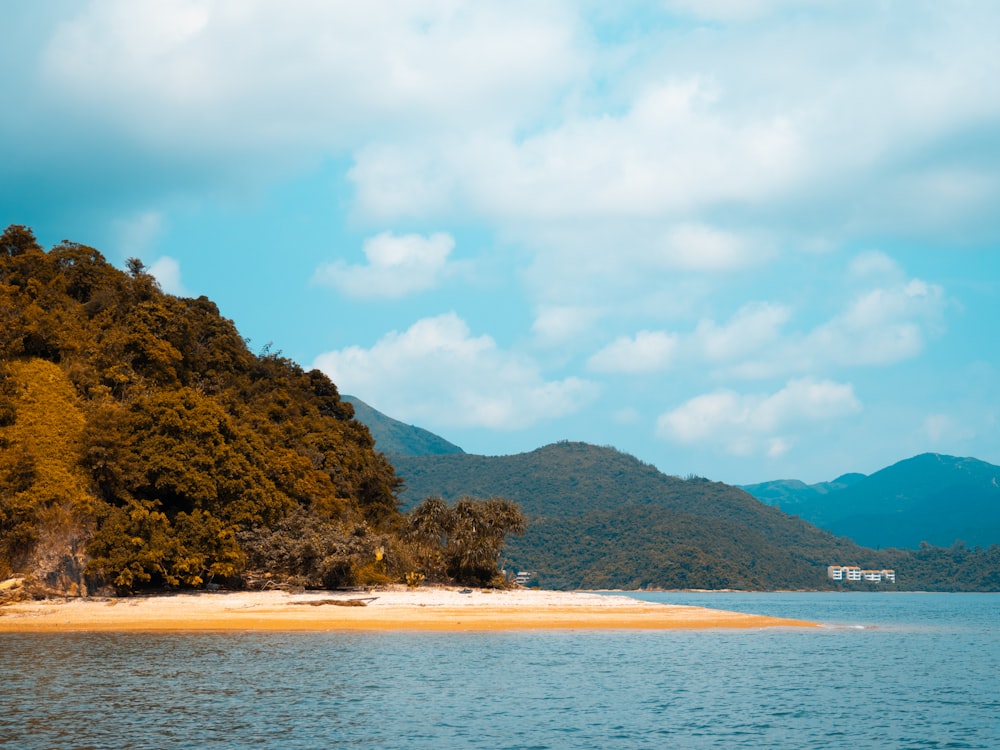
788 494
600 518
394 438
928 498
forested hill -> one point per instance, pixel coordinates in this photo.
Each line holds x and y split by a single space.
603 519
599 518
396 438
143 445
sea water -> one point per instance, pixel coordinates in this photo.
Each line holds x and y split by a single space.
887 671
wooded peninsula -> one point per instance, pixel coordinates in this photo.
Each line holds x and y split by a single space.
144 446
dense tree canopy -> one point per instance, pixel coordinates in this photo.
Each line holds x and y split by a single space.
142 444
465 541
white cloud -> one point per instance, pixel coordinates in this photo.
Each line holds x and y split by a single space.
753 327
830 123
167 272
631 275
677 149
397 265
738 10
874 263
700 247
879 327
521 110
137 234
749 424
437 373
240 76
647 351
559 323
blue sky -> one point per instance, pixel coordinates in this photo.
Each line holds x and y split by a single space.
748 240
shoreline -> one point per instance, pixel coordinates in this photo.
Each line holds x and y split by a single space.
393 608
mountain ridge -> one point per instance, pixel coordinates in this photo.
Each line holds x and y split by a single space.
931 497
600 518
853 504
394 437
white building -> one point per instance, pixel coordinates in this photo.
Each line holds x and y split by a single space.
855 573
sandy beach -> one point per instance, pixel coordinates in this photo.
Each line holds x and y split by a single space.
398 608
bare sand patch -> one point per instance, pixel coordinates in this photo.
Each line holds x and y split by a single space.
396 608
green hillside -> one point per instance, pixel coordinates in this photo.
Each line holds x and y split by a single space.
395 438
599 518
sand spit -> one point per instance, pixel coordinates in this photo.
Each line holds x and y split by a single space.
425 608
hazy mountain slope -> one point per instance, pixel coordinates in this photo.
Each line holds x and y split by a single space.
928 498
393 437
792 495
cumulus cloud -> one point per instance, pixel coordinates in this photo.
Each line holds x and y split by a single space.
397 265
754 326
880 326
647 351
643 269
766 131
874 263
437 373
516 110
167 272
738 10
558 323
320 74
675 150
748 424
137 233
701 247
886 317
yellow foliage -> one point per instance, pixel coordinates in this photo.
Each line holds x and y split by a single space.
46 431
414 579
372 574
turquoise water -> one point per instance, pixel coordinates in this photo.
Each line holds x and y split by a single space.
890 671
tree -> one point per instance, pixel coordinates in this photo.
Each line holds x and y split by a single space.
16 240
468 538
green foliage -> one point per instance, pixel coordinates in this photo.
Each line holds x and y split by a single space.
464 542
394 438
599 518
